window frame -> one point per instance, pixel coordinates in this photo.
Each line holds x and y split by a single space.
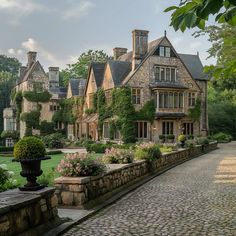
136 96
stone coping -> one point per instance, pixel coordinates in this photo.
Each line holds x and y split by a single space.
15 199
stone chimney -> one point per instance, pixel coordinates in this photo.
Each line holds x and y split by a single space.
22 71
140 46
117 52
31 58
53 77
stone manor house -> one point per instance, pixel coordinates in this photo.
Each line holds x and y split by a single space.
152 70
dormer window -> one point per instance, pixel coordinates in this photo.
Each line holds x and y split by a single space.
164 51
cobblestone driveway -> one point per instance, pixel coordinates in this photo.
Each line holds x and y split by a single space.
195 198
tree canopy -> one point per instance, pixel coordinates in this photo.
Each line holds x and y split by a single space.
80 68
195 13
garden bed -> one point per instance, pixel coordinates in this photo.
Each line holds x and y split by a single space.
83 192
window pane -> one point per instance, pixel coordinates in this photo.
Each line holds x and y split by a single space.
166 100
162 51
163 127
171 103
161 100
173 74
157 74
140 129
167 52
181 100
162 74
145 130
176 100
167 74
171 128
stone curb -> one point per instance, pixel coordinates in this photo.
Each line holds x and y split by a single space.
66 226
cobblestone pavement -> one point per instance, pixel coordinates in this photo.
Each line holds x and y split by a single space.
195 198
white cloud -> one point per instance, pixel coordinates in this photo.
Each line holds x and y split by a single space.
77 11
195 45
21 6
11 51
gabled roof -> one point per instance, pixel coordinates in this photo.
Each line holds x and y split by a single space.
77 86
98 70
119 70
29 71
194 65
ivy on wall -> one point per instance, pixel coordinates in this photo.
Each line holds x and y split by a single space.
33 96
147 112
18 98
195 112
31 119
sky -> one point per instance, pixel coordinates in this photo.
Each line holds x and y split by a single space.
60 30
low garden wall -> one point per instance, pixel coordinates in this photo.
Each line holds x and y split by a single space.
27 213
85 191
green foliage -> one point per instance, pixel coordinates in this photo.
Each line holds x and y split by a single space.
55 140
124 110
195 13
65 114
47 179
147 112
54 152
170 136
29 148
6 149
202 141
31 119
182 138
9 64
222 137
190 143
46 128
223 39
195 112
147 151
34 96
97 147
81 67
89 111
18 98
6 181
10 134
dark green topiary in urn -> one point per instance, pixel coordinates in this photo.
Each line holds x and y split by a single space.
29 151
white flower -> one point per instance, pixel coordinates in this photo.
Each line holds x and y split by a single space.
3 166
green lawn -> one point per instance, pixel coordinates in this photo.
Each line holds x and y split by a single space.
47 166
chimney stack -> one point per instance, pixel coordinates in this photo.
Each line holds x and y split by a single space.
53 77
117 52
140 46
22 71
31 58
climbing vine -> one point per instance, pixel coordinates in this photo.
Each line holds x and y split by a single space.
195 112
147 112
34 96
18 98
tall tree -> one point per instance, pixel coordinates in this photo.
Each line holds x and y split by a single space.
195 13
9 68
80 68
223 39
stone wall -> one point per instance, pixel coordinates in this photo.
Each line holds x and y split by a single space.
86 191
25 212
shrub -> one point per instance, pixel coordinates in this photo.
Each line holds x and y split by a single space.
118 156
97 147
55 140
202 141
46 128
47 178
10 134
182 138
54 152
222 137
6 149
80 164
170 136
29 148
147 151
6 180
162 136
166 148
190 143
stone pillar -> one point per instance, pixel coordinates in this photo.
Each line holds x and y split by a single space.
31 58
53 77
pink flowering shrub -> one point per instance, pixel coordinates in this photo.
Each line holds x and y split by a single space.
118 156
80 164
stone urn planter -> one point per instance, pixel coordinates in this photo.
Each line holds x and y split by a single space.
30 151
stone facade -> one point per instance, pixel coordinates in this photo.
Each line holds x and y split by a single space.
138 70
86 191
27 213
